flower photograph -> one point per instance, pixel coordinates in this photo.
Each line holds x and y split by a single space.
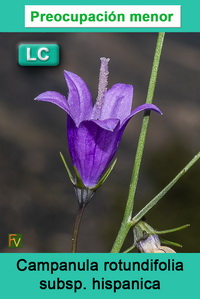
113 164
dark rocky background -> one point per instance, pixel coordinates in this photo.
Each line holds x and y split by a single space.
36 197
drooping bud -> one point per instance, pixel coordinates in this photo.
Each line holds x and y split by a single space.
152 245
147 241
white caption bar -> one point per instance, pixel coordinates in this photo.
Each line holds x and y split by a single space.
99 16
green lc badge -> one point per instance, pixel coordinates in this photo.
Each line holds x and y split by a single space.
38 55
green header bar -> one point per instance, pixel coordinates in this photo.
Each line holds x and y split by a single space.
13 16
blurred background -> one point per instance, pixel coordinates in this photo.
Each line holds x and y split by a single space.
36 197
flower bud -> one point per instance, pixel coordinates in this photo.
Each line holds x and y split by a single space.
152 245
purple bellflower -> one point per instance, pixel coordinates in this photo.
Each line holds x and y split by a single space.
94 132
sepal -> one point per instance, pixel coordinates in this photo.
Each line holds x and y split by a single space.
84 194
79 183
105 176
170 243
67 168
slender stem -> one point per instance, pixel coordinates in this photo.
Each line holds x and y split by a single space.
79 215
125 225
165 190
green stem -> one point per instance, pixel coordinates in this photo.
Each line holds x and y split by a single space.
125 225
152 203
76 227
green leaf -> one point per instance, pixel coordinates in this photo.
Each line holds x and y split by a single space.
67 168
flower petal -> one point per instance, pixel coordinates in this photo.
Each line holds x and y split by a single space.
54 98
107 124
117 102
139 109
79 97
91 148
